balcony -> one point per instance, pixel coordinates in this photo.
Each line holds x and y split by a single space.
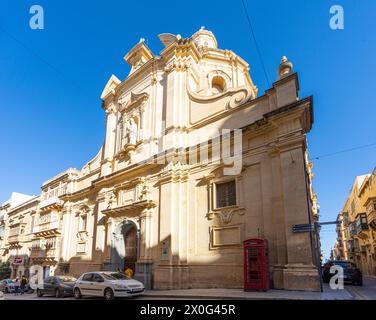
37 252
47 228
14 240
352 229
40 255
50 204
361 225
371 217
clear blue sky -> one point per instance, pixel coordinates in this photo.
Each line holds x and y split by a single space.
51 79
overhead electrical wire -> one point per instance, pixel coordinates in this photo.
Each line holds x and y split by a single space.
344 151
255 41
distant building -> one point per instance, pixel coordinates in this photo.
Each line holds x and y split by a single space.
356 230
15 235
175 189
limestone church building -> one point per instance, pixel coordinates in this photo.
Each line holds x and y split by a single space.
164 196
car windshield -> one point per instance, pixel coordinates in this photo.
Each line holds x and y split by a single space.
9 281
67 279
115 276
343 264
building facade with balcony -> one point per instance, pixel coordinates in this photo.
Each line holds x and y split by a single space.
367 196
18 234
194 162
48 220
356 237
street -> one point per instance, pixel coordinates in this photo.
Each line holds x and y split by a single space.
34 297
366 292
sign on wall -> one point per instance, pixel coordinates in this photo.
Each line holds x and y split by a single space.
17 260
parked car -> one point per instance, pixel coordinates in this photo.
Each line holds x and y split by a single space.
351 274
107 284
7 286
58 286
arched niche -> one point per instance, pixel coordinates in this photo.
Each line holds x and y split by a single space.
219 82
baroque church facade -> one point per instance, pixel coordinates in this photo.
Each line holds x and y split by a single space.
194 162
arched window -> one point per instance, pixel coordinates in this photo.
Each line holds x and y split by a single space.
218 85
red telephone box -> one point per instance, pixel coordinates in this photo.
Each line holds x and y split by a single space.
256 265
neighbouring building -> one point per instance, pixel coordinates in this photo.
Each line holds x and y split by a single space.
194 162
356 227
15 244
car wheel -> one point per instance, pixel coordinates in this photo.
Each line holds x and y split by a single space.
108 294
39 293
77 293
58 293
6 290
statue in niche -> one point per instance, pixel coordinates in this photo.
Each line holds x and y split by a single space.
144 193
110 199
131 132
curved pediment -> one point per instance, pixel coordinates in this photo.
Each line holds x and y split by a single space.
133 101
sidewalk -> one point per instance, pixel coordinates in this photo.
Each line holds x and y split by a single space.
239 294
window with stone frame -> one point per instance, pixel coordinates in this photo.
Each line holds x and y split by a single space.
226 194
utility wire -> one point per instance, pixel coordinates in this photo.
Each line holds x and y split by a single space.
345 151
256 43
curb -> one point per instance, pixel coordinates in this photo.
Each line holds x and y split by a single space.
207 297
212 297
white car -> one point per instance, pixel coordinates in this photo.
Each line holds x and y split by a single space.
107 284
7 286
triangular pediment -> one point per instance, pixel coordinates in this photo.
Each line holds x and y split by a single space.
112 83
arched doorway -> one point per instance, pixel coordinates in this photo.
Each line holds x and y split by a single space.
130 246
125 246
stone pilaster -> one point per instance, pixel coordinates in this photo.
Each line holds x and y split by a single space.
299 273
111 109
